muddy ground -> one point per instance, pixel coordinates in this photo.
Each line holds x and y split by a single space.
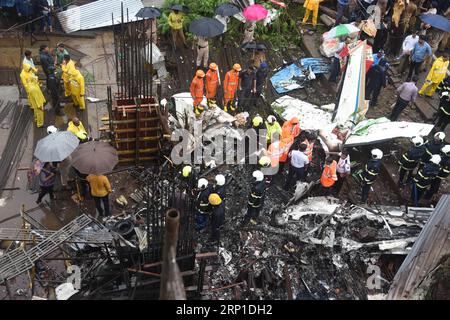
103 73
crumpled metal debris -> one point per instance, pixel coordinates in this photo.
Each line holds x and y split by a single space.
226 255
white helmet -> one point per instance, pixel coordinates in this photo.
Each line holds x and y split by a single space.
436 159
258 175
417 141
377 154
51 129
271 119
439 136
446 149
220 179
202 183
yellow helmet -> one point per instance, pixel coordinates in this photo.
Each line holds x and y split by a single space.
213 66
200 73
214 199
186 171
237 67
264 161
256 121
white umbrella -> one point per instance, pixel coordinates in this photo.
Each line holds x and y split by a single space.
56 146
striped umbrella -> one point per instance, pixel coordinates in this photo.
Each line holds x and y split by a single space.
340 30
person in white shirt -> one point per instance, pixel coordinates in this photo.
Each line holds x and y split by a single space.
298 166
408 44
343 169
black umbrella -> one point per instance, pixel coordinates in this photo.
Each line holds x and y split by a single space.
148 13
206 27
437 21
254 46
180 7
95 157
227 10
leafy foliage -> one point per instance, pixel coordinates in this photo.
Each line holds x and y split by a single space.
281 34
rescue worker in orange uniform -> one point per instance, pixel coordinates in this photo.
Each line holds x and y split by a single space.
329 176
230 86
212 83
291 128
196 90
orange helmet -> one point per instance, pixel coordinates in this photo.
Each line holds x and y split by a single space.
200 73
213 66
294 120
237 67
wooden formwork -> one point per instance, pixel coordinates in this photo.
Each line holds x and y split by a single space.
136 130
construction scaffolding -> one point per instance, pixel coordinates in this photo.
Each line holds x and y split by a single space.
134 116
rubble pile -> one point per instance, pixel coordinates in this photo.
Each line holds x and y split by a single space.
316 249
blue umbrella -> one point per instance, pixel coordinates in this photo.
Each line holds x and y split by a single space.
436 21
180 7
227 10
206 27
149 13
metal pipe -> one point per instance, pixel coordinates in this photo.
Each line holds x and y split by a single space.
172 286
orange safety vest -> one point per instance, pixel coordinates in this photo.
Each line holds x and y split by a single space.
212 81
329 176
197 90
278 151
290 129
230 84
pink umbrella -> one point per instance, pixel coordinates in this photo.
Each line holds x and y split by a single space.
255 12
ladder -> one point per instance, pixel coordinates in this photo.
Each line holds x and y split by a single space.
32 235
18 260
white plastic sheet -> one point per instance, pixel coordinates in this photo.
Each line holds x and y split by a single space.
380 132
311 116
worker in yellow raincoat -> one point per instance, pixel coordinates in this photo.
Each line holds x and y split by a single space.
311 6
67 67
77 89
36 99
437 73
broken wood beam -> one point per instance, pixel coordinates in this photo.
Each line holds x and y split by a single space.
226 287
205 255
154 274
288 283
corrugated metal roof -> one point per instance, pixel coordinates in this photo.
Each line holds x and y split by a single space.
97 14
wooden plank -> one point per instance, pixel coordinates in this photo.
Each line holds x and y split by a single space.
133 130
134 120
125 160
119 140
149 150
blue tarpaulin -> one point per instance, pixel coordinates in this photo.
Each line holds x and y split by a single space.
294 76
7 3
318 65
